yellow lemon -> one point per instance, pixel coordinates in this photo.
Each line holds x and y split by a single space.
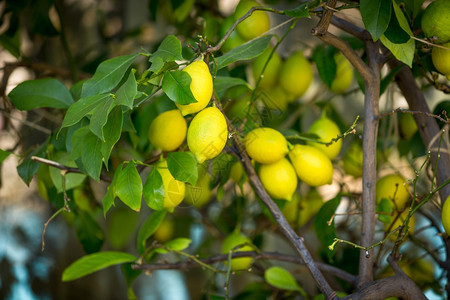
344 74
441 59
326 130
237 239
165 230
270 75
201 87
312 166
391 185
279 179
168 130
265 145
207 134
446 215
296 75
255 25
436 21
174 190
200 194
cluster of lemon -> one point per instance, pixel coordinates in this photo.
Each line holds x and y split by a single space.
206 135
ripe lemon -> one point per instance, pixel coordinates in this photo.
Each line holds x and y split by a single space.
234 240
326 130
207 134
407 126
446 215
265 145
344 74
353 160
296 75
436 21
279 179
168 130
200 194
441 59
270 75
201 87
391 185
174 190
255 25
312 166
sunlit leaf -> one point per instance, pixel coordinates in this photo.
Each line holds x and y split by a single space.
183 166
282 279
176 85
129 187
127 91
384 209
154 190
169 50
178 244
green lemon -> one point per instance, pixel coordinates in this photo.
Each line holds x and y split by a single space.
296 75
436 21
255 25
326 129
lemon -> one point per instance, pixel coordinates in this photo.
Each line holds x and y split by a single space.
236 172
255 25
436 21
312 166
168 130
201 87
200 194
274 98
174 190
165 230
446 215
279 179
441 59
265 145
399 222
235 240
234 40
326 130
270 75
407 126
391 185
353 160
296 75
207 134
344 74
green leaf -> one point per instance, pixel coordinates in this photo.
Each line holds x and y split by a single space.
177 86
127 91
3 155
246 51
385 206
91 155
11 43
326 233
47 92
108 199
88 232
108 75
300 11
100 117
112 132
95 262
223 83
148 228
326 65
169 50
376 16
414 6
71 179
282 279
28 167
154 190
183 166
129 187
82 107
394 32
178 244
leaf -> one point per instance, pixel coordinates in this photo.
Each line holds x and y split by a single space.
177 86
112 132
47 92
154 190
91 155
183 166
326 233
414 6
394 32
129 187
108 199
385 206
95 262
300 11
282 279
108 75
127 91
326 65
246 51
71 179
169 50
178 244
148 228
88 232
82 107
100 117
376 16
3 155
28 167
223 83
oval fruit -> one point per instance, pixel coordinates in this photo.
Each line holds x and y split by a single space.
168 130
279 179
441 59
234 40
174 190
255 25
165 230
436 21
344 74
390 185
353 160
234 240
326 130
265 145
312 166
207 134
407 126
446 215
296 75
270 75
200 194
201 87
